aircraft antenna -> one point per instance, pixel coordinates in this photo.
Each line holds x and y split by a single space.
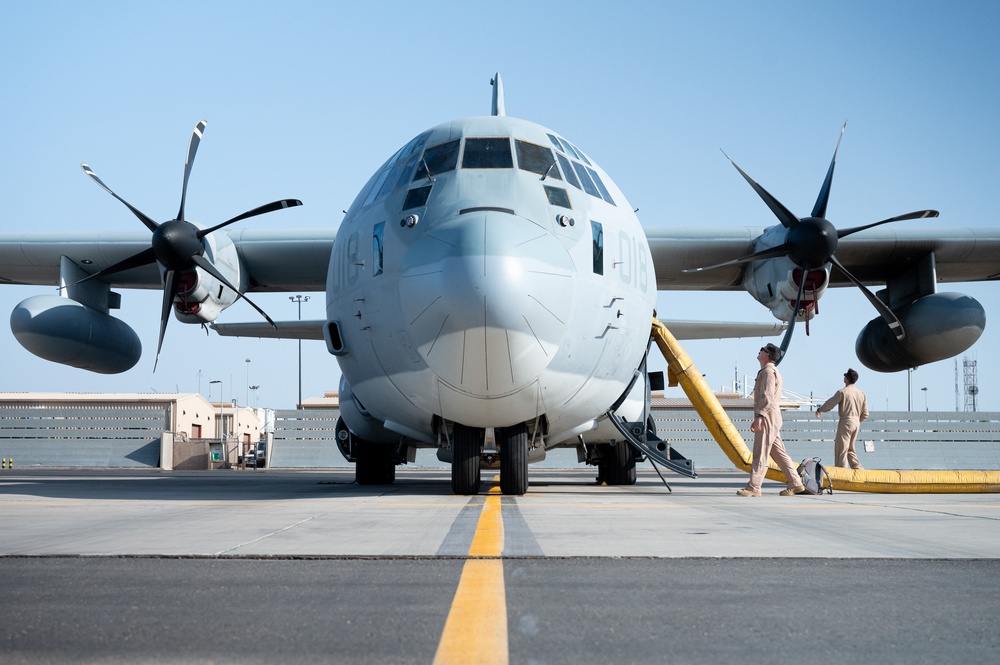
498 107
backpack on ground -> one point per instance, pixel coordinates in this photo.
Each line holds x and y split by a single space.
811 472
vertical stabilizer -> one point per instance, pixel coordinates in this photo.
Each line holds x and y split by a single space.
497 84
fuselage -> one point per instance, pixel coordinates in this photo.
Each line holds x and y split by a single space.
489 274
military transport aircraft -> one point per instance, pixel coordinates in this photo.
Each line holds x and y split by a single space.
490 294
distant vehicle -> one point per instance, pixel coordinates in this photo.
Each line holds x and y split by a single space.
257 458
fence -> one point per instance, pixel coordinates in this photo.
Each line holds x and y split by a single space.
887 440
119 436
305 438
126 436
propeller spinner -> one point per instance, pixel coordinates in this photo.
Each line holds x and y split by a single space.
177 245
811 243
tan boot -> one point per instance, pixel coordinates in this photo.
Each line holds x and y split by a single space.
792 492
746 492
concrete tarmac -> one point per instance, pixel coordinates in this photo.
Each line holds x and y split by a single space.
306 566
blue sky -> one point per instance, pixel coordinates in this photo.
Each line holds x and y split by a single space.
307 99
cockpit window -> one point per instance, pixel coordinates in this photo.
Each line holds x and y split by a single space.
373 194
588 184
568 147
568 170
407 170
557 196
578 175
537 159
579 153
416 197
377 233
438 159
414 146
493 153
395 172
605 194
597 231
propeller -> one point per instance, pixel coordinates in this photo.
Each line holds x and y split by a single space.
177 245
811 243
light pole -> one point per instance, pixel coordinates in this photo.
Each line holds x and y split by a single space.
299 299
925 398
248 382
909 389
218 427
254 389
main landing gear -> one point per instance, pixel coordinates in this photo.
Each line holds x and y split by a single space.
467 444
513 442
616 464
375 463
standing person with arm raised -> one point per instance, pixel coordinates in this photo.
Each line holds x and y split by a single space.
852 406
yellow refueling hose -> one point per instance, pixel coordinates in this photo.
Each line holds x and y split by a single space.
683 372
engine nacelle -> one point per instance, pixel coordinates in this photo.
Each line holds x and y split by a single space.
67 332
937 326
359 421
201 298
775 284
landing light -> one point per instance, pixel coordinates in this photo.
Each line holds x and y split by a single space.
565 220
409 221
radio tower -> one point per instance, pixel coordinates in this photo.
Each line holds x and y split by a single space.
971 384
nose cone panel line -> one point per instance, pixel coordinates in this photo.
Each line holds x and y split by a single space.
486 297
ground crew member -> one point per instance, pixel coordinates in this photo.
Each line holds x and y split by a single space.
766 427
852 405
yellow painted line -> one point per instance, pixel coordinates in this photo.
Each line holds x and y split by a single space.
488 539
475 632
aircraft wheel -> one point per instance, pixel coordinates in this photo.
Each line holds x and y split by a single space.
375 465
603 464
465 454
620 465
513 459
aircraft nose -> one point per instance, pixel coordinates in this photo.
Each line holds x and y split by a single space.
486 296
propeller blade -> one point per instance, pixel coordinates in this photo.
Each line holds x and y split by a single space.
262 210
199 129
150 224
170 280
143 258
784 215
773 252
207 266
919 214
887 314
819 210
786 340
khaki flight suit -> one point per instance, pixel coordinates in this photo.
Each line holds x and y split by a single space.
767 440
852 405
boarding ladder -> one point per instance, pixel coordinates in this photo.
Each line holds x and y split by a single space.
641 435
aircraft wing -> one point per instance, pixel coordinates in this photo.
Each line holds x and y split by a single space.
280 330
275 260
297 260
961 255
682 330
685 330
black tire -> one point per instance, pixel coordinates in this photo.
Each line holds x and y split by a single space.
513 443
603 462
375 465
465 455
621 464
